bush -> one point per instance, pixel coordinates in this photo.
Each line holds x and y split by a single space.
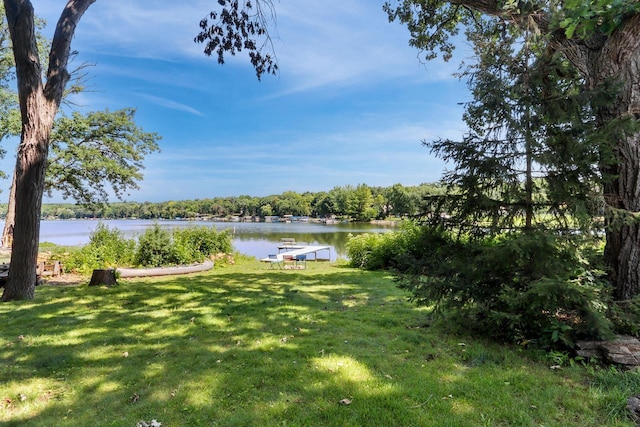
194 244
106 249
370 251
521 287
518 287
155 248
625 316
158 247
398 250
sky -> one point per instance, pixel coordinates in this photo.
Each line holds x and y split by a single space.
350 105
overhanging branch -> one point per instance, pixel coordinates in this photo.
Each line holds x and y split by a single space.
57 74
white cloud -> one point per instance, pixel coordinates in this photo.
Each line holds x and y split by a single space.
318 44
168 103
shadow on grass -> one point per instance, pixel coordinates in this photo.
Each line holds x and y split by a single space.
234 347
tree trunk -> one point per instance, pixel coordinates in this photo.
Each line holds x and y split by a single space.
10 219
38 106
619 58
105 277
622 199
30 171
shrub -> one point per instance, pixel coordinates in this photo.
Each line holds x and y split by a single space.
106 249
369 251
194 244
398 250
625 316
155 248
158 247
518 287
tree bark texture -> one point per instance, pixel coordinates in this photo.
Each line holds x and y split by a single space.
39 104
10 218
103 277
619 58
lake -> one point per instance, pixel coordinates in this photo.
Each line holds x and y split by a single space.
257 239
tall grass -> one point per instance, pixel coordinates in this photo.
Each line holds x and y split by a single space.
246 345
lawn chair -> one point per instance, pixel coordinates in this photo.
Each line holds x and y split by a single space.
289 262
301 261
273 259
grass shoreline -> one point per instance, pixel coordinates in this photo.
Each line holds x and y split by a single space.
246 345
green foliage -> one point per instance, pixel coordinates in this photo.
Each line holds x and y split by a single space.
534 152
155 248
358 203
91 150
431 23
194 244
107 248
625 316
397 250
371 251
586 18
521 287
158 247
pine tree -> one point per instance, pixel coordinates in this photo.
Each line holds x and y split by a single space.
531 156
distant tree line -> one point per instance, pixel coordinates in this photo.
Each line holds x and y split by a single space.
358 203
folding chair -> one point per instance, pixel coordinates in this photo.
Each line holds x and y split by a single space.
273 259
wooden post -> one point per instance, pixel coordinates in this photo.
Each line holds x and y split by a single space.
103 277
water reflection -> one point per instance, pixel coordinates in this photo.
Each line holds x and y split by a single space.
253 239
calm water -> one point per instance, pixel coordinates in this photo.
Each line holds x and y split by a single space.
253 239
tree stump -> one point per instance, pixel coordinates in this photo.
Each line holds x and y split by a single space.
103 277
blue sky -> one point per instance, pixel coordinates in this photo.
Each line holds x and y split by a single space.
351 103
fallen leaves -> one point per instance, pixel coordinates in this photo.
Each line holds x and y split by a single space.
345 401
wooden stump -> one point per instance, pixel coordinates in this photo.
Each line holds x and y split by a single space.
103 277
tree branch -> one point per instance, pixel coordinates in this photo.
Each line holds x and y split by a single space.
57 74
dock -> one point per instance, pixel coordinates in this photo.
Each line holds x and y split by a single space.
292 251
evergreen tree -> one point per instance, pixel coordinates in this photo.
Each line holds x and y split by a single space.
532 154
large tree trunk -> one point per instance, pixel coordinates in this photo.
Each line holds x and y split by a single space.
619 58
622 198
30 170
38 106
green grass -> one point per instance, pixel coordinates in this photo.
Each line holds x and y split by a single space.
245 345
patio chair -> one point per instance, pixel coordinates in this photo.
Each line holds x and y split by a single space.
289 261
273 259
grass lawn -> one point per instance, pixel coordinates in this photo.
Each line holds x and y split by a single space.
245 345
